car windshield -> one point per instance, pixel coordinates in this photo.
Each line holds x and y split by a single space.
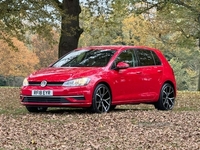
86 58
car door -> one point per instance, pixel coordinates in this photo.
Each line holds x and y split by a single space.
126 81
151 71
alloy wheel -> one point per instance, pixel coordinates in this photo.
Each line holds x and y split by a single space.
101 99
167 98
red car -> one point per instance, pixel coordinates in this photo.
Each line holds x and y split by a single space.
100 78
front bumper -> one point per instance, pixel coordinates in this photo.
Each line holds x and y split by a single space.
62 97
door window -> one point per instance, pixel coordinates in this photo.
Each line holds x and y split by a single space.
156 59
145 58
126 56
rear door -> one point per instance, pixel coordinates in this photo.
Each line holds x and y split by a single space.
151 71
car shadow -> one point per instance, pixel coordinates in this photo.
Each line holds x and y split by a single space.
87 110
68 111
130 109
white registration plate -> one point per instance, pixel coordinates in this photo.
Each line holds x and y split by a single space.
42 92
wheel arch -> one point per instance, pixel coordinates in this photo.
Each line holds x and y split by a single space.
103 106
162 105
172 84
107 84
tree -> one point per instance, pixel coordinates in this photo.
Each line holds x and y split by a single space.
186 70
99 29
135 30
102 22
70 30
175 15
19 16
177 24
45 52
16 63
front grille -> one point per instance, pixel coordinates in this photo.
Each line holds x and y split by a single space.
45 100
48 83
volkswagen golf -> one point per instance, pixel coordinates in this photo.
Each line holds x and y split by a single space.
100 78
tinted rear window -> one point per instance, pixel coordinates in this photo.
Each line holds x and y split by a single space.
156 59
147 58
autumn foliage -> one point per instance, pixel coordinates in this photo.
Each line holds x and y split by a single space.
19 62
46 52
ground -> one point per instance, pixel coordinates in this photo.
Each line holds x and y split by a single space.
129 127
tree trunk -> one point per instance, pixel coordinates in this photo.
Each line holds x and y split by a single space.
70 30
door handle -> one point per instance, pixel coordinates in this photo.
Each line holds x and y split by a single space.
159 71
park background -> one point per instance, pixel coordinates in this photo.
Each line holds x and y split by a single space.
32 33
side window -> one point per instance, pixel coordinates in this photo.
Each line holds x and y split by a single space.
156 59
126 56
145 58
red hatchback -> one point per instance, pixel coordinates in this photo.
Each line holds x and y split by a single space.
100 78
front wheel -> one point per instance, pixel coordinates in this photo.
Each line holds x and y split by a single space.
101 100
36 109
167 98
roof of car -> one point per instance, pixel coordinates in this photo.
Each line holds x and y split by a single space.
117 47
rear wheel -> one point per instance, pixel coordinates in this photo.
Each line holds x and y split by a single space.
167 98
101 100
36 109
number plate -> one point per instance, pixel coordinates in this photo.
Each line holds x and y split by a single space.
42 92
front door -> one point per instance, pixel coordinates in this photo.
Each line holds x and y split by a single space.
126 81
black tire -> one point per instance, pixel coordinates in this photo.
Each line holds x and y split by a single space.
36 109
167 98
101 100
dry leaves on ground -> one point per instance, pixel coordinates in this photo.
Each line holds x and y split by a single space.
129 127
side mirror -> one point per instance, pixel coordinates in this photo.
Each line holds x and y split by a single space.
122 65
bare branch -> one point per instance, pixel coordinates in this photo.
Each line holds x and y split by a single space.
181 3
160 5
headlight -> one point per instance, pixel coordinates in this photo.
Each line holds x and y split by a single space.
25 82
77 82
